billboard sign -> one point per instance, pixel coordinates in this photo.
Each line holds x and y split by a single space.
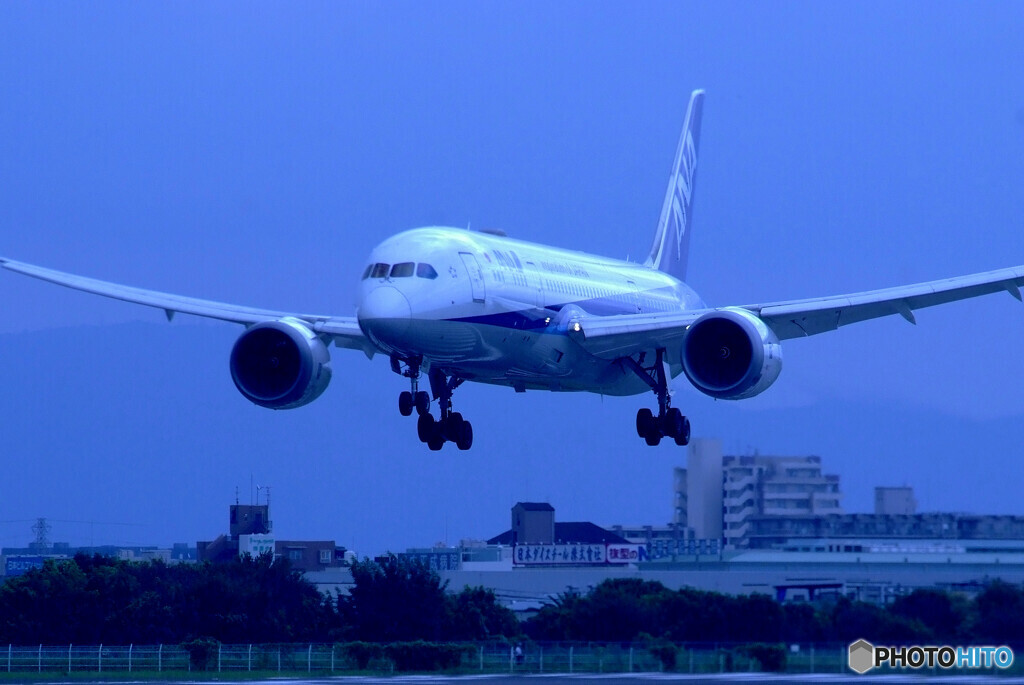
18 565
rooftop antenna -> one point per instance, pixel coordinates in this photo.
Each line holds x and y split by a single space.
236 494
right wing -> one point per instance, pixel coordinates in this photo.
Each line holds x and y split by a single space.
343 330
613 337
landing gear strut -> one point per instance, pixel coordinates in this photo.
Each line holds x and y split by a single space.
670 422
450 427
415 399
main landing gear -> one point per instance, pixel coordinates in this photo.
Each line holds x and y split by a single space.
670 422
450 427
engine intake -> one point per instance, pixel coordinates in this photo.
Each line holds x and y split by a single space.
280 364
731 354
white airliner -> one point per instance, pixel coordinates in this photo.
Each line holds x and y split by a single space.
462 306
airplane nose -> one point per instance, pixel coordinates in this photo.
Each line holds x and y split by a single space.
384 313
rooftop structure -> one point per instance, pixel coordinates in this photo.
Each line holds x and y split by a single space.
895 501
250 532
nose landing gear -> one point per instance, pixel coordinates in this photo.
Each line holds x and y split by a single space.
417 399
450 427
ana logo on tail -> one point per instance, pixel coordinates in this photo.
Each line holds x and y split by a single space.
678 203
683 190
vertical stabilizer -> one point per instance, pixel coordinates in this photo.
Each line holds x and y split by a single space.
672 240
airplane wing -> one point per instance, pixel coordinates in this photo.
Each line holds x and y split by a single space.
618 336
800 318
344 331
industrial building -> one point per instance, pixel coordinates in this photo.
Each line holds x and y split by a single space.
250 531
744 524
875 569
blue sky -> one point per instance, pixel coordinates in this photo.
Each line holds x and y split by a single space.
255 153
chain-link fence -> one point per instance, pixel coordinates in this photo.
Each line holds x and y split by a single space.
490 657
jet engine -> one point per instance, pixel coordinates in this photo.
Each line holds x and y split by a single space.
731 354
280 364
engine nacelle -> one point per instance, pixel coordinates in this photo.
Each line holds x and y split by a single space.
731 354
280 364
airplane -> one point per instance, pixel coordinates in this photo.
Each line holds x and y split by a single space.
456 305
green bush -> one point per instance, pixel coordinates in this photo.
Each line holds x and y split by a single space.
201 652
770 657
426 656
362 653
663 650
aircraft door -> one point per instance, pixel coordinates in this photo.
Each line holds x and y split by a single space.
476 276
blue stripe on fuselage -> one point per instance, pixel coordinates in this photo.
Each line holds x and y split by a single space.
538 318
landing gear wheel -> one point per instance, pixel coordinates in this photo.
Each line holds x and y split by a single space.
653 438
683 438
453 426
465 439
425 428
405 404
436 442
422 402
644 422
672 423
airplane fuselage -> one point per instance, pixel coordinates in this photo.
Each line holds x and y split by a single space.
492 309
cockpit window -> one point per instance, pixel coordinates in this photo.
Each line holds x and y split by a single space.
403 270
425 271
366 273
379 270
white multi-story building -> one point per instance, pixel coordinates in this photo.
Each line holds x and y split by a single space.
789 487
722 496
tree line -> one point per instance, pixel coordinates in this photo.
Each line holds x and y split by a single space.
625 610
101 600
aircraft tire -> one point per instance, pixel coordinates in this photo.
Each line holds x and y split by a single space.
644 422
653 438
465 440
453 426
436 443
422 402
425 427
673 423
683 439
405 403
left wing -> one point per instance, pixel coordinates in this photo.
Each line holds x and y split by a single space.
800 318
344 330
619 336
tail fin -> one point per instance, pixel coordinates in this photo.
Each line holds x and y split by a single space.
672 241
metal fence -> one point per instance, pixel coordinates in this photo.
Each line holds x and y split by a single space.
495 657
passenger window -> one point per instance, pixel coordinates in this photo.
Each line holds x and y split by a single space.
366 272
403 270
379 270
425 271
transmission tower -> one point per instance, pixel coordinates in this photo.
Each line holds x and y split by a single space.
42 530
